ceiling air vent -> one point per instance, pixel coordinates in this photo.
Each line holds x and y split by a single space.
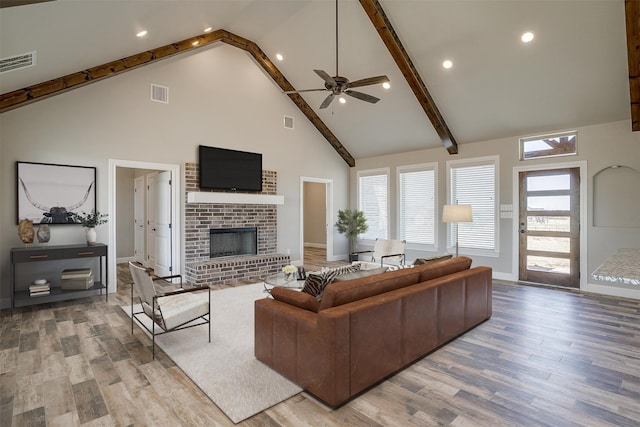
288 122
17 62
160 94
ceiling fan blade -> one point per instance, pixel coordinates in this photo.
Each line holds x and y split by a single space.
362 96
327 101
326 77
369 81
303 90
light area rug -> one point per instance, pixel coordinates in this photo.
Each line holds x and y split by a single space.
226 369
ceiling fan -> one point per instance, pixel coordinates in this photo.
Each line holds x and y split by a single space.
339 85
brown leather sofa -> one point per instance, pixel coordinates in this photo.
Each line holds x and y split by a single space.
365 329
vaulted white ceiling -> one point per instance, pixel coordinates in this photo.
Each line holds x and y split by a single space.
574 73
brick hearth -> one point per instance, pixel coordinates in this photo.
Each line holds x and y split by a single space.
200 217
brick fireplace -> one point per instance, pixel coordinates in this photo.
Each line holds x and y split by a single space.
200 218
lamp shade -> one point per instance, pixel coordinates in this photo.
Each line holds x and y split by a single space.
457 213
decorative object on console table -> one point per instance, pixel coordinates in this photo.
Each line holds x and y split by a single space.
76 278
39 288
351 223
90 221
456 214
25 231
43 234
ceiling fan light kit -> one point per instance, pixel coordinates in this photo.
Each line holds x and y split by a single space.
339 85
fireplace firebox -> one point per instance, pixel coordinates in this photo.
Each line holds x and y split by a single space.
233 241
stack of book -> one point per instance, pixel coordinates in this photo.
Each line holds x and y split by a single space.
76 279
40 289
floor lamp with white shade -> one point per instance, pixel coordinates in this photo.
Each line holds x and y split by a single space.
456 214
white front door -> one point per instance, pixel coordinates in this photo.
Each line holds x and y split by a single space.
150 260
163 219
138 219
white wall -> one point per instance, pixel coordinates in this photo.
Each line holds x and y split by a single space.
599 145
218 97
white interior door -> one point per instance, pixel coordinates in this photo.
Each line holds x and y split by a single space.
163 224
151 221
138 219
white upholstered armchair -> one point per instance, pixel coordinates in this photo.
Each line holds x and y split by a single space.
387 251
170 311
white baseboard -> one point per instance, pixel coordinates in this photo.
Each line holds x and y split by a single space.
125 260
503 276
315 245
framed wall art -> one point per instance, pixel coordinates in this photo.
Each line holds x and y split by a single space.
54 194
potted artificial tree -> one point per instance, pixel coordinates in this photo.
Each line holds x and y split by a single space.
351 223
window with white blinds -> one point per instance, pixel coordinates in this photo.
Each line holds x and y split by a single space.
417 204
474 183
373 200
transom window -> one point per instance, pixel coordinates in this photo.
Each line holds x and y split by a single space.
561 144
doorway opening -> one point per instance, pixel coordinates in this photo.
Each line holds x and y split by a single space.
316 205
164 223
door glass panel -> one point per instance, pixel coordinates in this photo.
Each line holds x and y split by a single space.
549 244
548 203
548 223
548 264
548 182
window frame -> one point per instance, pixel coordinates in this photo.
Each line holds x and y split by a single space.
471 162
552 152
375 172
433 166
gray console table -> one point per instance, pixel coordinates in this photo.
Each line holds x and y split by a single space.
53 257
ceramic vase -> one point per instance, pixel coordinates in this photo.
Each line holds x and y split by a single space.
91 236
43 234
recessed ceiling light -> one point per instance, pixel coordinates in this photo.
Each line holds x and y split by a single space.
279 56
342 100
208 30
447 64
195 43
386 85
142 33
527 37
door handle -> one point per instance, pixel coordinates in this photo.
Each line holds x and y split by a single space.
522 231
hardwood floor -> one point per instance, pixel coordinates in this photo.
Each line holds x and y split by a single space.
546 358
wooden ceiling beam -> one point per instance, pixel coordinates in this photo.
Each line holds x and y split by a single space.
37 92
388 35
632 13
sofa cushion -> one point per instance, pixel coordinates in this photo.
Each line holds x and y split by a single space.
429 260
316 282
345 292
442 268
295 298
359 274
343 269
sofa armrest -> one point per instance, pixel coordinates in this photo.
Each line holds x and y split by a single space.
310 349
296 298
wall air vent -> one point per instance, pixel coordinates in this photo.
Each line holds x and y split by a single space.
288 122
17 62
160 94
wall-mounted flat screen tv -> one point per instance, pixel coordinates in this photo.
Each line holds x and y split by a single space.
224 169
